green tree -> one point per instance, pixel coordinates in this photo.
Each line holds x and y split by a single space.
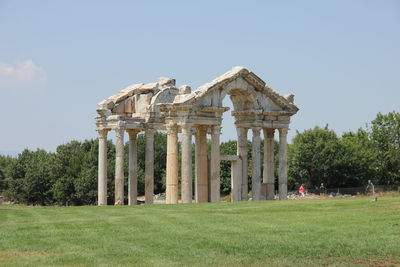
67 166
64 191
76 169
86 182
385 133
360 161
315 157
5 170
31 178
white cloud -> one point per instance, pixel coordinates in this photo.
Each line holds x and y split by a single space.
22 75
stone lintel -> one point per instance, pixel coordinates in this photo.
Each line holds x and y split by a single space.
213 109
172 107
115 118
247 112
209 121
101 124
135 125
103 112
278 113
264 124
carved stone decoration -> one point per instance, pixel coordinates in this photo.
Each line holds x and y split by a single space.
162 105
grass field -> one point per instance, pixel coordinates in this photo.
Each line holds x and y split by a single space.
335 232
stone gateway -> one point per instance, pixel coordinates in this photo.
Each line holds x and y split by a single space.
163 106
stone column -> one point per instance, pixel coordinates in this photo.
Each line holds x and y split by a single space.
132 180
256 156
283 163
215 165
119 166
201 165
269 163
102 171
236 180
149 167
242 152
172 165
196 163
186 171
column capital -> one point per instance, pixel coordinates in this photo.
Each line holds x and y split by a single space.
216 129
102 134
270 132
201 129
256 131
242 129
186 128
172 129
283 131
119 132
132 133
186 125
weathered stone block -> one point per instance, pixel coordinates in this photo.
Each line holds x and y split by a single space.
164 82
185 89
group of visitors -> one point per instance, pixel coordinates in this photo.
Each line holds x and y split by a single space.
302 190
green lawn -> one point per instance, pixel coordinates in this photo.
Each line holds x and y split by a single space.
333 232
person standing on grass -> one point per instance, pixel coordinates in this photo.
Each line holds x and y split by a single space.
302 190
322 189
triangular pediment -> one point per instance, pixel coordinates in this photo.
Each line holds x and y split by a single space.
251 91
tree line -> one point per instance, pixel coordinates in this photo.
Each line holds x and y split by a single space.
69 175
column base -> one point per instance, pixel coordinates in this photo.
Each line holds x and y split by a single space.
245 193
282 191
270 191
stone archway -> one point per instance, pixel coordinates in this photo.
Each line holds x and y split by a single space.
162 106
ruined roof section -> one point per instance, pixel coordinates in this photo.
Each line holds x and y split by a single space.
184 96
283 101
231 75
134 89
218 82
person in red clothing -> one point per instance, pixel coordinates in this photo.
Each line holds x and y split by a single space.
302 190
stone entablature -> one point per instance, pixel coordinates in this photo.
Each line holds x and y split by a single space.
163 106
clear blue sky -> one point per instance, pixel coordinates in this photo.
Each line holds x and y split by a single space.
58 59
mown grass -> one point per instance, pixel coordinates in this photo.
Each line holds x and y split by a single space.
335 232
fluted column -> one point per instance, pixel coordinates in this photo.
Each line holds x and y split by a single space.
269 162
283 163
102 170
186 171
215 165
119 166
242 152
149 167
132 180
201 165
256 170
172 165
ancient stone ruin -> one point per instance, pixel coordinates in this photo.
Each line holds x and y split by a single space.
161 106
